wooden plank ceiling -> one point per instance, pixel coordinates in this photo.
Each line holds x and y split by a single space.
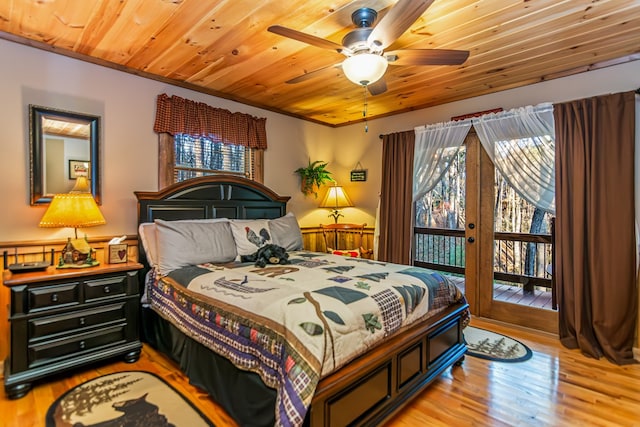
222 47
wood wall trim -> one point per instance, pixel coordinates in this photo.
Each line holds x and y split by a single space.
54 242
166 160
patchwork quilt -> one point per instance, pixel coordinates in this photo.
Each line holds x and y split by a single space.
293 324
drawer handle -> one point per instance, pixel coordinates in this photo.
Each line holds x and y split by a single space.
106 290
82 321
82 345
54 297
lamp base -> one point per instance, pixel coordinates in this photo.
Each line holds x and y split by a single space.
335 213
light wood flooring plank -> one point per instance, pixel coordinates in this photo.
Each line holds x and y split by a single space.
556 387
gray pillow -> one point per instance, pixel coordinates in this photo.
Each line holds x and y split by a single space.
186 243
285 232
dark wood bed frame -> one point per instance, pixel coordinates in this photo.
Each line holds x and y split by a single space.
371 388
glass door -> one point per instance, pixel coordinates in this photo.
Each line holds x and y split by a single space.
509 262
461 230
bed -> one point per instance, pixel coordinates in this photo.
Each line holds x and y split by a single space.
276 345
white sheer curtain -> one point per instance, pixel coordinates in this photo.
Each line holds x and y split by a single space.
521 143
435 146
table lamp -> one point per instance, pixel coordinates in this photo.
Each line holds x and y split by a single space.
75 209
335 199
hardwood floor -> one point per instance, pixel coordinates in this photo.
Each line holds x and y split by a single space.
556 387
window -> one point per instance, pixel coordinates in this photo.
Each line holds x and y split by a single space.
182 155
200 156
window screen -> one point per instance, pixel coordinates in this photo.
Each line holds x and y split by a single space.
200 156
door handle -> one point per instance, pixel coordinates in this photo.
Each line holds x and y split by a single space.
472 226
471 240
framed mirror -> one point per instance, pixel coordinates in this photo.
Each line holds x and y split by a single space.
62 146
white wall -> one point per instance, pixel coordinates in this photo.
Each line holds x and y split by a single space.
126 104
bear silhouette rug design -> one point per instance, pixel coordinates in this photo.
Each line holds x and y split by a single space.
130 398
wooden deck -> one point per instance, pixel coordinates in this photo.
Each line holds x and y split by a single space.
511 293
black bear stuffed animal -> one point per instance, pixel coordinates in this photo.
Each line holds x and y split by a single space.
268 254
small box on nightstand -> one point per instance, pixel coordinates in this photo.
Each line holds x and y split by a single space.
117 253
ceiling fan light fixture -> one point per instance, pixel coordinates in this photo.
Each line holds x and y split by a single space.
364 68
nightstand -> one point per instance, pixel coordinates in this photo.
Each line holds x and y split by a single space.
61 319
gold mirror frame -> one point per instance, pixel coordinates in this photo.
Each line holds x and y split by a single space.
37 150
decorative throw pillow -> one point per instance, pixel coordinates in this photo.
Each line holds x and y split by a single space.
193 242
250 235
353 253
285 232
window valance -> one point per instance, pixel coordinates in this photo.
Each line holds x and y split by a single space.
178 115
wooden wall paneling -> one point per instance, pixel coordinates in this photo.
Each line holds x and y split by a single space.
313 240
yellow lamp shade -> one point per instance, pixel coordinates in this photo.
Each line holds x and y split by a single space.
72 210
336 198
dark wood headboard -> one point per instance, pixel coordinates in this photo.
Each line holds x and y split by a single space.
218 196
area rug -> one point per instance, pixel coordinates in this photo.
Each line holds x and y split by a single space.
494 346
130 398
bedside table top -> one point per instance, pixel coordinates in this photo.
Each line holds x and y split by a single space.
53 273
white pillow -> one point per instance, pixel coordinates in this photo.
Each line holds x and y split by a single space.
147 233
285 232
250 235
183 243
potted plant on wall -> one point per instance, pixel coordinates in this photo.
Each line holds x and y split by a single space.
313 176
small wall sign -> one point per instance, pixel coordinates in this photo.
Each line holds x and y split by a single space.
359 175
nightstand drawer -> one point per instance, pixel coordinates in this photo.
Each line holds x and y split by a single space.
46 327
47 297
110 287
50 351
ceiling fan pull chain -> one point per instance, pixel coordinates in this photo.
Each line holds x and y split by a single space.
364 111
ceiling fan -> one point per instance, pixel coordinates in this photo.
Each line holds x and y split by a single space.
366 60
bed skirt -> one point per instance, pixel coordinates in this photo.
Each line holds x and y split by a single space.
252 402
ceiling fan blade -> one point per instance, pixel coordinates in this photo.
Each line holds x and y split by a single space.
396 22
426 57
378 87
312 74
305 38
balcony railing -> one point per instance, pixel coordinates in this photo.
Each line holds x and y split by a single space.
522 258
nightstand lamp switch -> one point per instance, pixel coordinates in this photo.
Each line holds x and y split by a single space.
77 209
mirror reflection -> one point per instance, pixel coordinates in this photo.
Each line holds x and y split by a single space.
64 146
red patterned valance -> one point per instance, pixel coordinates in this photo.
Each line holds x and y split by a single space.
178 115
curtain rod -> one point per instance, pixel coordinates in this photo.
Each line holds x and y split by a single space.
498 110
637 91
